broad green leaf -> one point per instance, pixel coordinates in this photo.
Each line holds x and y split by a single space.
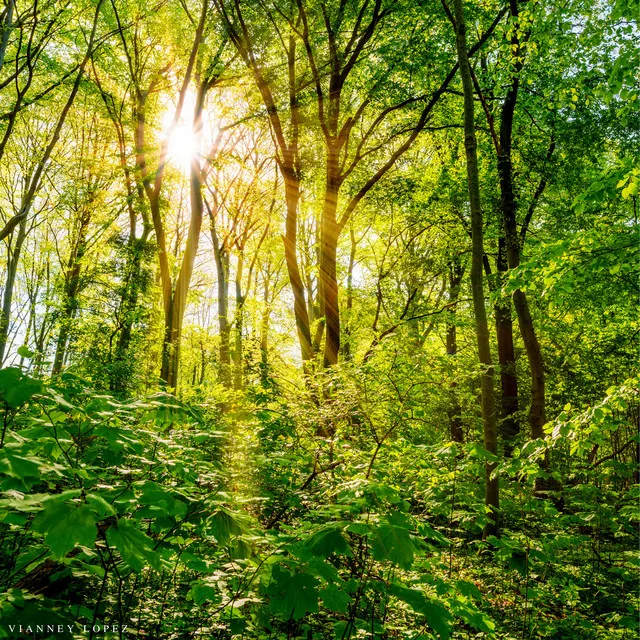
160 499
65 524
292 595
327 541
202 592
224 525
134 546
18 466
468 589
24 352
335 599
438 618
394 544
16 389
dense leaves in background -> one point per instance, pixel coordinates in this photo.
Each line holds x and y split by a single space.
319 319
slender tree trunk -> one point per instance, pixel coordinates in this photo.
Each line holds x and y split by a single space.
4 38
9 284
292 195
537 417
121 373
345 344
238 355
178 305
71 291
38 174
264 333
454 410
482 327
222 272
509 426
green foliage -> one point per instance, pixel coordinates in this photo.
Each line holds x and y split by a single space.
257 498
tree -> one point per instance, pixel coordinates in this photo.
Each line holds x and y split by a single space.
477 286
205 72
351 130
30 45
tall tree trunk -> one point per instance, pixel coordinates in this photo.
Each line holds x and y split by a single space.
178 304
264 333
345 344
453 409
537 417
482 327
6 29
7 297
238 355
329 304
121 373
292 195
509 426
71 291
221 257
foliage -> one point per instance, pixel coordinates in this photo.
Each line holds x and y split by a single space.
240 387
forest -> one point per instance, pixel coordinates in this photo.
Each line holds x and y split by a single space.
319 319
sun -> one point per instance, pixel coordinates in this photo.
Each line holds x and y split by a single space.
182 144
182 147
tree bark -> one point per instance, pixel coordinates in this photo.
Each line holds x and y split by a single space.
221 256
537 417
345 344
4 40
509 427
178 298
329 303
264 332
72 286
482 327
238 378
292 196
7 297
453 408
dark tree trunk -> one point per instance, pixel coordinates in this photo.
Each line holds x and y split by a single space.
329 232
264 334
345 344
508 207
482 327
509 427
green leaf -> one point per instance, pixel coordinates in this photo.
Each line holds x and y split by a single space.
438 618
24 352
335 599
100 506
339 629
18 466
224 525
160 499
393 543
66 524
134 546
16 389
327 541
292 595
468 589
518 561
202 592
